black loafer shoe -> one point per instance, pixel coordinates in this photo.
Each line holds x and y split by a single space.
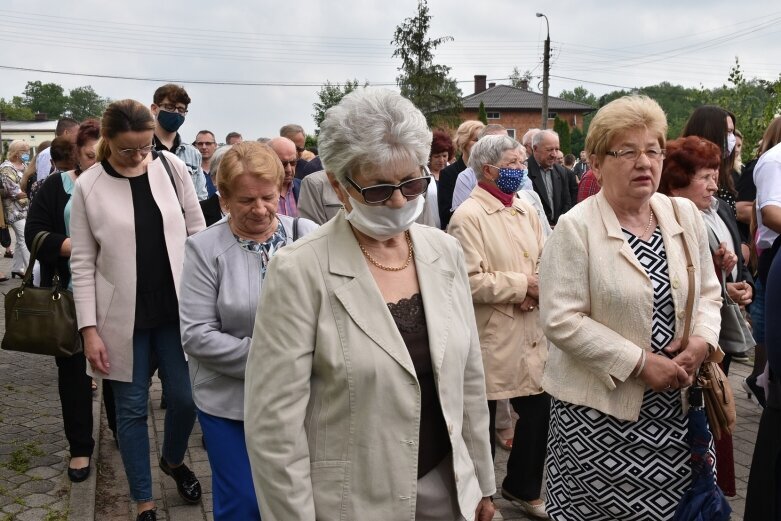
78 475
147 515
186 483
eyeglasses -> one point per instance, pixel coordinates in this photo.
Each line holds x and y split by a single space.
300 149
204 143
168 107
129 152
653 154
378 194
291 164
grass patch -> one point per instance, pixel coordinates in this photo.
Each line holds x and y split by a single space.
20 458
55 515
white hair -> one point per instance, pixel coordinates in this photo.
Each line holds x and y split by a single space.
215 163
539 136
372 126
489 150
527 138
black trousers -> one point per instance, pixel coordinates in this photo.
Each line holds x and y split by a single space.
527 457
75 387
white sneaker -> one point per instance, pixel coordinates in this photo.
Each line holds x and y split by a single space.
538 511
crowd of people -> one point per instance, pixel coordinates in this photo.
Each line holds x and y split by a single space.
358 327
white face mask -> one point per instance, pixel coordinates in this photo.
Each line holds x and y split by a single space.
731 141
381 222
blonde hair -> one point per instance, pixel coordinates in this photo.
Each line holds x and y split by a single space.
249 157
772 135
15 149
622 115
125 115
465 131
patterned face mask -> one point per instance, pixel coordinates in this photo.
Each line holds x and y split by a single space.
510 179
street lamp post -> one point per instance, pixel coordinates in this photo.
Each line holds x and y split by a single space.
545 74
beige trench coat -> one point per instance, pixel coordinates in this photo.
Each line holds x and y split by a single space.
502 246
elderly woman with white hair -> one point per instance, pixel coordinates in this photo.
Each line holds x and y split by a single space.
502 238
365 395
15 201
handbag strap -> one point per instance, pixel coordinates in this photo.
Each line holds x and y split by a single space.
27 279
690 273
167 166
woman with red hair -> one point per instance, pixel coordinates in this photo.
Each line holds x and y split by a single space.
691 170
442 151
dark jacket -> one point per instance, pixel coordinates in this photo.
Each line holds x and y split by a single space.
724 211
211 209
562 201
445 187
47 214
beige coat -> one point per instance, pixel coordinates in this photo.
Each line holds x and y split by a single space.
331 398
104 250
597 301
502 246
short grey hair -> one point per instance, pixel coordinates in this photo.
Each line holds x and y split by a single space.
538 137
215 164
291 130
527 138
372 126
489 150
494 129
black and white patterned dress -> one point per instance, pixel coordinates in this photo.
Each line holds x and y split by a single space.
602 468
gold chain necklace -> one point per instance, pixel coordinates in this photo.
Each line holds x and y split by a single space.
390 268
648 227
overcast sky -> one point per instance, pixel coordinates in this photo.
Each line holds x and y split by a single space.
602 45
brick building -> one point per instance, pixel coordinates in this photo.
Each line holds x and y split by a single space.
519 109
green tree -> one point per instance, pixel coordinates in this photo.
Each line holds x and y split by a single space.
84 102
577 140
517 79
331 94
15 110
561 127
580 95
482 115
422 81
48 98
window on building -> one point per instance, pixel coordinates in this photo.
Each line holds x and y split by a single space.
511 132
493 115
551 115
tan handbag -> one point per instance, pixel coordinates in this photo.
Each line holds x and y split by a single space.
716 389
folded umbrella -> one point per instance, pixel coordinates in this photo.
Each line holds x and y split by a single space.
703 500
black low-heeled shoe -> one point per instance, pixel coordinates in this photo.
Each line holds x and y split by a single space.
187 484
4 278
17 274
79 475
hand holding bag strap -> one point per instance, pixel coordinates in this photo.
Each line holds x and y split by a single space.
690 273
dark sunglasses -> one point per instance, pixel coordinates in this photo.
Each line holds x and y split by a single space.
378 194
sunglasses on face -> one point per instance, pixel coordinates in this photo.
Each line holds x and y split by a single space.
378 194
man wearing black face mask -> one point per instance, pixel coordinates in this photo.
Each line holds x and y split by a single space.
169 106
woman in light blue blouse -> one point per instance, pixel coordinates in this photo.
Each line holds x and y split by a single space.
223 275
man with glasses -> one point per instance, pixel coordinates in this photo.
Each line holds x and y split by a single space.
296 134
288 193
206 145
169 107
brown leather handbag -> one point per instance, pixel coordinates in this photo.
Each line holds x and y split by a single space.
716 389
40 321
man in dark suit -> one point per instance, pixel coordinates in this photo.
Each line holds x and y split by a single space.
550 180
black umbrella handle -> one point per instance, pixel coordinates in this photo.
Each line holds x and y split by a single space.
696 397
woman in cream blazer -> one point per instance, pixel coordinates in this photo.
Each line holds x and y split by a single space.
613 288
364 395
